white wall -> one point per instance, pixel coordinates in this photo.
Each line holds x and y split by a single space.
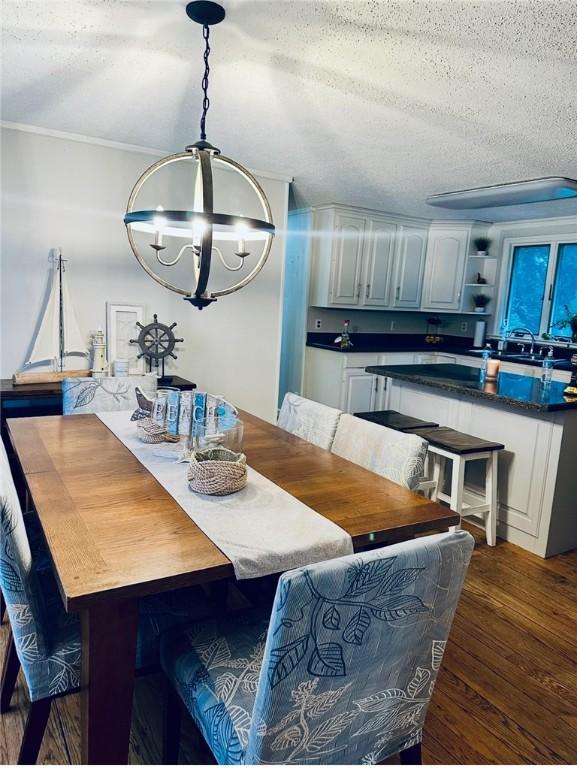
71 194
237 340
379 321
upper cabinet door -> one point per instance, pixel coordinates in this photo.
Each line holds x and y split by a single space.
446 256
347 259
410 267
379 256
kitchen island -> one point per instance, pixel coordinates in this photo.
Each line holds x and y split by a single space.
536 423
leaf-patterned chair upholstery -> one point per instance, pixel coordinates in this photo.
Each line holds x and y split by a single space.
45 640
314 422
395 455
111 393
342 671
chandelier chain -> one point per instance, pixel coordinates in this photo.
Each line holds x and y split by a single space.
205 100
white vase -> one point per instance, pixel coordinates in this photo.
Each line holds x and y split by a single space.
480 310
481 253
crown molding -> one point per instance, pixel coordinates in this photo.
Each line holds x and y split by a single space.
36 129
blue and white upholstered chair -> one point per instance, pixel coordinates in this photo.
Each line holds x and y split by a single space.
312 421
343 670
395 455
111 393
45 641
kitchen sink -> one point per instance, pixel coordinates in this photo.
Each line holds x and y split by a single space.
535 358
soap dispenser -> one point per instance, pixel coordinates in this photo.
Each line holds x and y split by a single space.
487 352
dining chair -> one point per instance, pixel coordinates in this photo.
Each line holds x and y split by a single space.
395 455
86 394
44 640
341 672
312 421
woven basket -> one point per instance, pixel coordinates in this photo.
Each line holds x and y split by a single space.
217 471
148 431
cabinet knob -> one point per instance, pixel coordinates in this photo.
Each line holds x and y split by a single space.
368 290
398 292
359 291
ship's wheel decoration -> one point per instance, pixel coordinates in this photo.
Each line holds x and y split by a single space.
157 342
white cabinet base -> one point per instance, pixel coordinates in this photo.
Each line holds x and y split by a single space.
537 477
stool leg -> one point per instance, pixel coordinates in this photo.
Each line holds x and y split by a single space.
438 475
491 498
457 487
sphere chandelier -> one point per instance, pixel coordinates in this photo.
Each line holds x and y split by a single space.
201 226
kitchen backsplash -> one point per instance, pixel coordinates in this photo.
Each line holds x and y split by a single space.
365 321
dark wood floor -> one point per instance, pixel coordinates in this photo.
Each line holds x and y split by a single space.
507 692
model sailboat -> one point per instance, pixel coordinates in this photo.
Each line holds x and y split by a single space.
58 336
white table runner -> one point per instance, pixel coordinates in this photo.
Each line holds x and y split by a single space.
261 529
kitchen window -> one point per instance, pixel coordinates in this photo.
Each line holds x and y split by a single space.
542 282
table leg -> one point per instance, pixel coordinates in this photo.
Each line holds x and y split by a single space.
108 666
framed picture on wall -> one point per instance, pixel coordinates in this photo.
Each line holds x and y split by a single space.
121 326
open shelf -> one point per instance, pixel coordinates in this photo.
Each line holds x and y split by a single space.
479 285
475 256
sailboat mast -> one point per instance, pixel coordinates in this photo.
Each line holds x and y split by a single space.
61 313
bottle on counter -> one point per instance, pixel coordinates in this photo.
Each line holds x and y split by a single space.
547 369
486 355
344 340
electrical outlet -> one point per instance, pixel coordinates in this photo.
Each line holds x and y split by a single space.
464 327
318 323
393 325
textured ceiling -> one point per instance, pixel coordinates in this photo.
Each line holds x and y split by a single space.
369 103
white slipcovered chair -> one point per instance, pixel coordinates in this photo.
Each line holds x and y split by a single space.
395 455
312 421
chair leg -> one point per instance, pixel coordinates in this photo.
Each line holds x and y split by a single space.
34 731
411 755
9 674
491 497
2 607
172 720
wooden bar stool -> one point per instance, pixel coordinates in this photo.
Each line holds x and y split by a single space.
396 420
447 444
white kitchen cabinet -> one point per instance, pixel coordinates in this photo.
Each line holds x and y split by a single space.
348 259
447 253
359 391
409 267
379 262
364 259
341 381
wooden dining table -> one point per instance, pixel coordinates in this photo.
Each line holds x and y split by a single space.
115 535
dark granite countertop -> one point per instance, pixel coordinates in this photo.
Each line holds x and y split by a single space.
415 342
525 393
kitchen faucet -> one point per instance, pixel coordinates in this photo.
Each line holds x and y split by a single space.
523 330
